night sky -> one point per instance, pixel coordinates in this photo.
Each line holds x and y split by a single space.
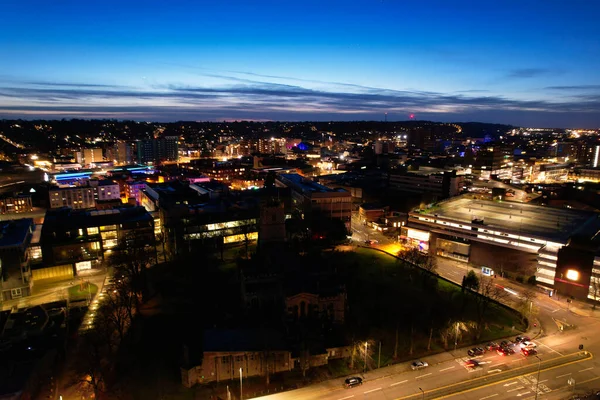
528 63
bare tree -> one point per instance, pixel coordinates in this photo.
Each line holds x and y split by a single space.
525 304
417 258
487 295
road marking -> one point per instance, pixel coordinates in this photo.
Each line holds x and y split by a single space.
397 383
372 390
348 397
422 376
523 394
446 369
587 369
512 390
562 376
494 370
558 309
545 380
489 397
551 349
512 383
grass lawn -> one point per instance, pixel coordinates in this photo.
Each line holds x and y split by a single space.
75 292
385 295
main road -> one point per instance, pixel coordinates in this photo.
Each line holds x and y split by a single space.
562 366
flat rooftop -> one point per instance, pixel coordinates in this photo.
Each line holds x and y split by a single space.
307 185
545 222
15 232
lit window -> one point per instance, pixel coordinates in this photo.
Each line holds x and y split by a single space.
572 275
92 231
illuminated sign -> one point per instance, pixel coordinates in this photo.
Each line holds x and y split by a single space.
83 265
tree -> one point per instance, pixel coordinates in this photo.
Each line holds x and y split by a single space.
471 281
419 259
595 289
487 294
525 304
131 260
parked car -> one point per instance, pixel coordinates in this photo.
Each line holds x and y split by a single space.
528 352
505 351
520 339
505 343
419 365
492 346
476 351
353 381
472 364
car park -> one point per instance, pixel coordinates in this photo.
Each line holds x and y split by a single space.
476 351
418 365
353 381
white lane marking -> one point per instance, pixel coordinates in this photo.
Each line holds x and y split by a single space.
489 397
512 383
512 390
562 376
372 390
545 380
398 383
587 369
522 394
446 369
551 349
494 370
422 376
558 309
348 397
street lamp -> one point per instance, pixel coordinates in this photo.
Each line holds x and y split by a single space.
241 392
366 348
422 391
537 383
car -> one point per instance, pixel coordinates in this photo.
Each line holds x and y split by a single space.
353 381
371 241
505 351
471 363
492 346
527 344
520 339
505 343
528 352
476 351
418 365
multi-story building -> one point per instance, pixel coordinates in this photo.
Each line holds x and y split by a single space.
15 274
123 153
519 238
84 197
219 170
493 160
312 199
72 197
154 151
81 239
15 203
92 156
439 184
272 146
133 190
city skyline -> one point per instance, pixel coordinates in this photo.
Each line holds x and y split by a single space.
518 64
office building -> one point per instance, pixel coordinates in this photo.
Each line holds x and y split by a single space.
312 199
155 151
78 198
123 153
15 203
92 156
81 239
438 184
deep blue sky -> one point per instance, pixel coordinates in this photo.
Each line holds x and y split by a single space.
530 63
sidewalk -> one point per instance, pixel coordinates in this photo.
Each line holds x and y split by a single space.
48 292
